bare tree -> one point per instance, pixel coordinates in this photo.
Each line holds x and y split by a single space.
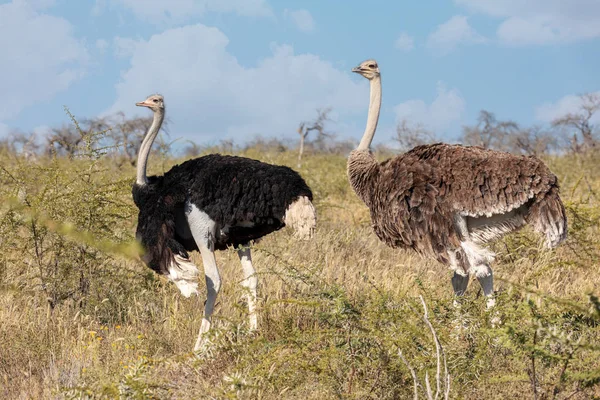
584 133
531 141
192 150
115 131
125 133
303 132
226 146
508 136
64 141
412 136
264 144
489 133
317 125
340 146
17 142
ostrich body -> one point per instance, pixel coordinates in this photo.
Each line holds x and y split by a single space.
210 203
445 201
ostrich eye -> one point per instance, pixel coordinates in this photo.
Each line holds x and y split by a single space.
155 100
372 65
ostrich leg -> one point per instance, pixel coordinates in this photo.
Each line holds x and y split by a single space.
487 284
213 285
250 282
460 279
203 231
478 259
459 283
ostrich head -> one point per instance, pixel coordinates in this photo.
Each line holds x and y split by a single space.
154 102
368 69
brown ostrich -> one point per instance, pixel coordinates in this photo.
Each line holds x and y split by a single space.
445 201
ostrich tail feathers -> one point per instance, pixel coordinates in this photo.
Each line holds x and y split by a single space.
184 273
548 217
302 217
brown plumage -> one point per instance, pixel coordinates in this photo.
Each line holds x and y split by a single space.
443 201
413 197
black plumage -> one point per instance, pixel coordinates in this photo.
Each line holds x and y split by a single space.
233 191
208 204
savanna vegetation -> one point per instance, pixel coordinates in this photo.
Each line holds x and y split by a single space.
340 316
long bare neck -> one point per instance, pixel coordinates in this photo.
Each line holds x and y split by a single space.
142 161
373 116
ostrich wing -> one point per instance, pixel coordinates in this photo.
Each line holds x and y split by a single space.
235 190
156 224
477 182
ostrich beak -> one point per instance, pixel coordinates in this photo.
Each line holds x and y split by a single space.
356 69
142 104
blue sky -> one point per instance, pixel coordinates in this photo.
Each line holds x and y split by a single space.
237 68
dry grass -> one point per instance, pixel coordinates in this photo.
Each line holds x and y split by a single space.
83 322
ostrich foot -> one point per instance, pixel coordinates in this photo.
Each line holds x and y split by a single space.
202 339
490 305
253 326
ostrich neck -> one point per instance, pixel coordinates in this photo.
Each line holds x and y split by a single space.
141 178
373 116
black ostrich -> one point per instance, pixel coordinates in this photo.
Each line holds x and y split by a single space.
210 203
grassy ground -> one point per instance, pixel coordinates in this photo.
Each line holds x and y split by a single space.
81 319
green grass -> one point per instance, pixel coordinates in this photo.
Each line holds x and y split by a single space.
81 317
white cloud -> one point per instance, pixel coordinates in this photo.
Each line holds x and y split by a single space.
101 45
541 21
35 4
209 95
301 18
98 7
405 42
446 109
40 56
548 112
454 32
177 11
125 47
